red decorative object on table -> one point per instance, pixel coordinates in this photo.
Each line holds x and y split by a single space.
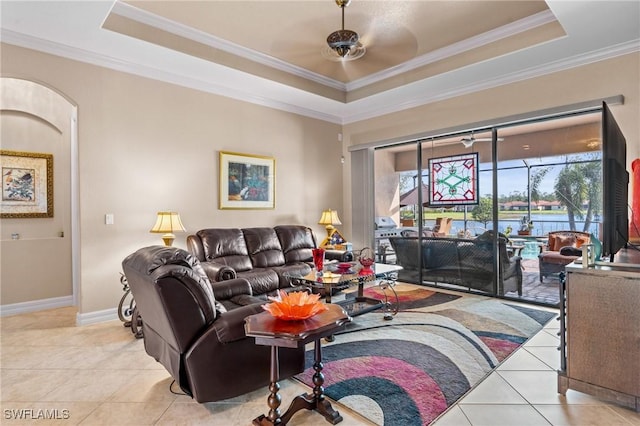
296 305
366 260
318 259
344 268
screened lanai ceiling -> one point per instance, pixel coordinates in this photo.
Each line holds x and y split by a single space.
271 52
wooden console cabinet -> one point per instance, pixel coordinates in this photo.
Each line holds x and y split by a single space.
600 333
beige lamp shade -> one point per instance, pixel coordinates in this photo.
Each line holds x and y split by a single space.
167 223
329 218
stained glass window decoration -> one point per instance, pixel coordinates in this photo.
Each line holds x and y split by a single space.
454 180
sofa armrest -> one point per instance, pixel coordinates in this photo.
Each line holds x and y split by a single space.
218 271
229 327
225 290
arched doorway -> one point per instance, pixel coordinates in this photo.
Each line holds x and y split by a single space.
39 254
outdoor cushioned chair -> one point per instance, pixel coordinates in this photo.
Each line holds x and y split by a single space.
552 258
196 329
442 226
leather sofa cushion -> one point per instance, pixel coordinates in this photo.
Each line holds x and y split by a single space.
297 269
263 280
263 247
297 242
226 246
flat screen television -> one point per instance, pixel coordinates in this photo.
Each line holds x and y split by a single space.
615 186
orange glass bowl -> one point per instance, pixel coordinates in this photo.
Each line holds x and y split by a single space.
296 305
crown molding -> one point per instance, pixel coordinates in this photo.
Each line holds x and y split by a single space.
164 24
480 40
350 113
532 72
81 55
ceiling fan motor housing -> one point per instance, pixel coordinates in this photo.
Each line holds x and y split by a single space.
342 41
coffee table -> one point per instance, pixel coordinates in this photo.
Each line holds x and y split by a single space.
270 331
331 280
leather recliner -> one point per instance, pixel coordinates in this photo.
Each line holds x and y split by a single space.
196 329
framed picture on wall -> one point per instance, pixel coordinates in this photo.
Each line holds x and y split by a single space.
247 181
27 184
454 180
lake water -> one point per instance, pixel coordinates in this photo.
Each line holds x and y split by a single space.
542 224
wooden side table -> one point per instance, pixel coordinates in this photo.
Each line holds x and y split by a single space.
270 331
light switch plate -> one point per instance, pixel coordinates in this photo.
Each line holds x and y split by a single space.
108 219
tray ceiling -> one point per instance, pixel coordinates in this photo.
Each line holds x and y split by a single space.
404 40
269 52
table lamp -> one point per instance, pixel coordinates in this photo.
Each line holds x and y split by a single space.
329 218
167 223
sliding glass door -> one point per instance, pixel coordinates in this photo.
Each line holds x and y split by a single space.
530 179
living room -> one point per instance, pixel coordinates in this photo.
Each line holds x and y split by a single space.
148 141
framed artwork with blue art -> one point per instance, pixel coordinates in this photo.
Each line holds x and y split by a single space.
454 180
247 181
27 185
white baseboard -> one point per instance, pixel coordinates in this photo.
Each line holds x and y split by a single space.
97 316
35 305
58 302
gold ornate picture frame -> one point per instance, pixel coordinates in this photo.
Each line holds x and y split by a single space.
27 184
247 181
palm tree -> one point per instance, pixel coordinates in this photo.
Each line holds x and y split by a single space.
575 184
536 179
592 173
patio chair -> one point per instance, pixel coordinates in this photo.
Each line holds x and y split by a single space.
442 227
552 259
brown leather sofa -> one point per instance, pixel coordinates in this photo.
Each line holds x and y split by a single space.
265 257
552 258
195 328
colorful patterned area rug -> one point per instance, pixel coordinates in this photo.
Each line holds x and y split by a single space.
409 370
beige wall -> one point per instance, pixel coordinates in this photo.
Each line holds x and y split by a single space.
146 146
618 76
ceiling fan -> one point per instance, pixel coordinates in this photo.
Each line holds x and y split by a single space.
469 140
344 44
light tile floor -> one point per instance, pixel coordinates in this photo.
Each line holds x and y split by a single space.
100 375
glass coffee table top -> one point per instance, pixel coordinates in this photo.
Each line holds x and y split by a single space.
333 278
